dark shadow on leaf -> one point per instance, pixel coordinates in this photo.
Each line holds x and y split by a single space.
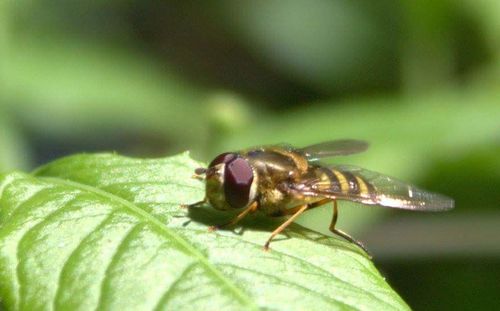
207 216
210 217
336 242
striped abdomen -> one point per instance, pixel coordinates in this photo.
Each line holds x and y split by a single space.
333 180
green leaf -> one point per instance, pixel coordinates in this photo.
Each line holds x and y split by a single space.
106 231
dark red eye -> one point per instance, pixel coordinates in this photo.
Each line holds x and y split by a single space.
222 158
238 177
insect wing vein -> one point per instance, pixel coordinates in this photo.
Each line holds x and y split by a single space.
368 187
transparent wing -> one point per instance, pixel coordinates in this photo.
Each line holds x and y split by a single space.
368 187
333 148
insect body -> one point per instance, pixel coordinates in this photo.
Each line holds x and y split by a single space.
281 180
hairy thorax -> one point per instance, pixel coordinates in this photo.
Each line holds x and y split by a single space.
276 172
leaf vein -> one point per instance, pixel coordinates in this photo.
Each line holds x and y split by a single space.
164 297
73 253
326 273
285 282
241 296
366 292
45 220
114 259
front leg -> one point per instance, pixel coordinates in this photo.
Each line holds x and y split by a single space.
197 204
250 209
198 174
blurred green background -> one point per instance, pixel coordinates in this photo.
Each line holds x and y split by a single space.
419 79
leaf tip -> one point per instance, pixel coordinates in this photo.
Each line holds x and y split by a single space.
8 178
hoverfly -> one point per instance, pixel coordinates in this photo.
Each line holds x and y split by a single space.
280 180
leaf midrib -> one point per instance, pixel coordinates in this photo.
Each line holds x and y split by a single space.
155 222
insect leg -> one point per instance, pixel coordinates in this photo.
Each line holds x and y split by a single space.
197 204
293 210
342 233
299 210
319 203
250 209
199 177
335 216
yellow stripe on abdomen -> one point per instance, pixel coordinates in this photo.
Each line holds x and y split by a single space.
363 187
344 184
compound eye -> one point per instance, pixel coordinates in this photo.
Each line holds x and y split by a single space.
222 158
238 178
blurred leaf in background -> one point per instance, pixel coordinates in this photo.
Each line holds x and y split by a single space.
68 90
331 46
14 152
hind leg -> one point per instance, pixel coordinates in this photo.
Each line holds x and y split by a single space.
342 233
